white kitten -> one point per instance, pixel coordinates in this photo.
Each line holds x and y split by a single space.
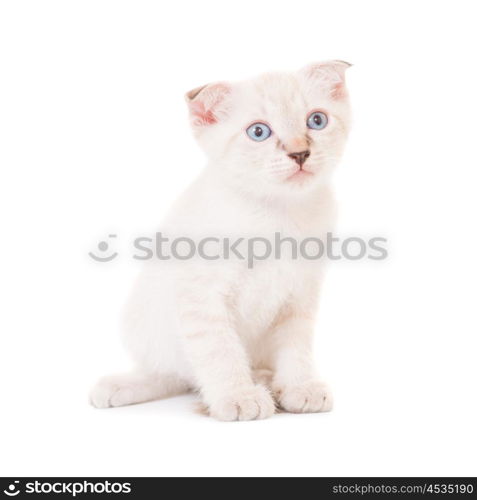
215 326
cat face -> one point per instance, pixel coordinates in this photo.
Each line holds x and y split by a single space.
278 134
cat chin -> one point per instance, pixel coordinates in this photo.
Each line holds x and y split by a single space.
301 185
297 186
303 180
300 176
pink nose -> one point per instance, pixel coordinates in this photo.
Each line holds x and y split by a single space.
300 157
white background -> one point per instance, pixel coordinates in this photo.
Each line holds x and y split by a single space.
94 140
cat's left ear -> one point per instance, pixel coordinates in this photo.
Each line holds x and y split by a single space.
329 74
208 104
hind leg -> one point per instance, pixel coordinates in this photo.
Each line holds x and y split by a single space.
132 388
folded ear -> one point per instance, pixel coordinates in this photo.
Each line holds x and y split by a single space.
329 74
208 104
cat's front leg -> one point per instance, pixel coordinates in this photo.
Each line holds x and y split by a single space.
295 385
219 362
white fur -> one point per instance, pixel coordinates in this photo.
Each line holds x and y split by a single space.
206 325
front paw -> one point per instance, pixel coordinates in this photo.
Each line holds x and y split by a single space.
308 397
108 392
249 404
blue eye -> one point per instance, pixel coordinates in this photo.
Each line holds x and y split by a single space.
259 131
317 120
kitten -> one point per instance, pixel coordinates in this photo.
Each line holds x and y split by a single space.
242 336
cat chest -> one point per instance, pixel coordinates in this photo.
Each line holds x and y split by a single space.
264 290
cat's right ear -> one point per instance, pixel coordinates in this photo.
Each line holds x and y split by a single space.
329 75
208 104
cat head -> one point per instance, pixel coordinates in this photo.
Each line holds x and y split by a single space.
280 133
